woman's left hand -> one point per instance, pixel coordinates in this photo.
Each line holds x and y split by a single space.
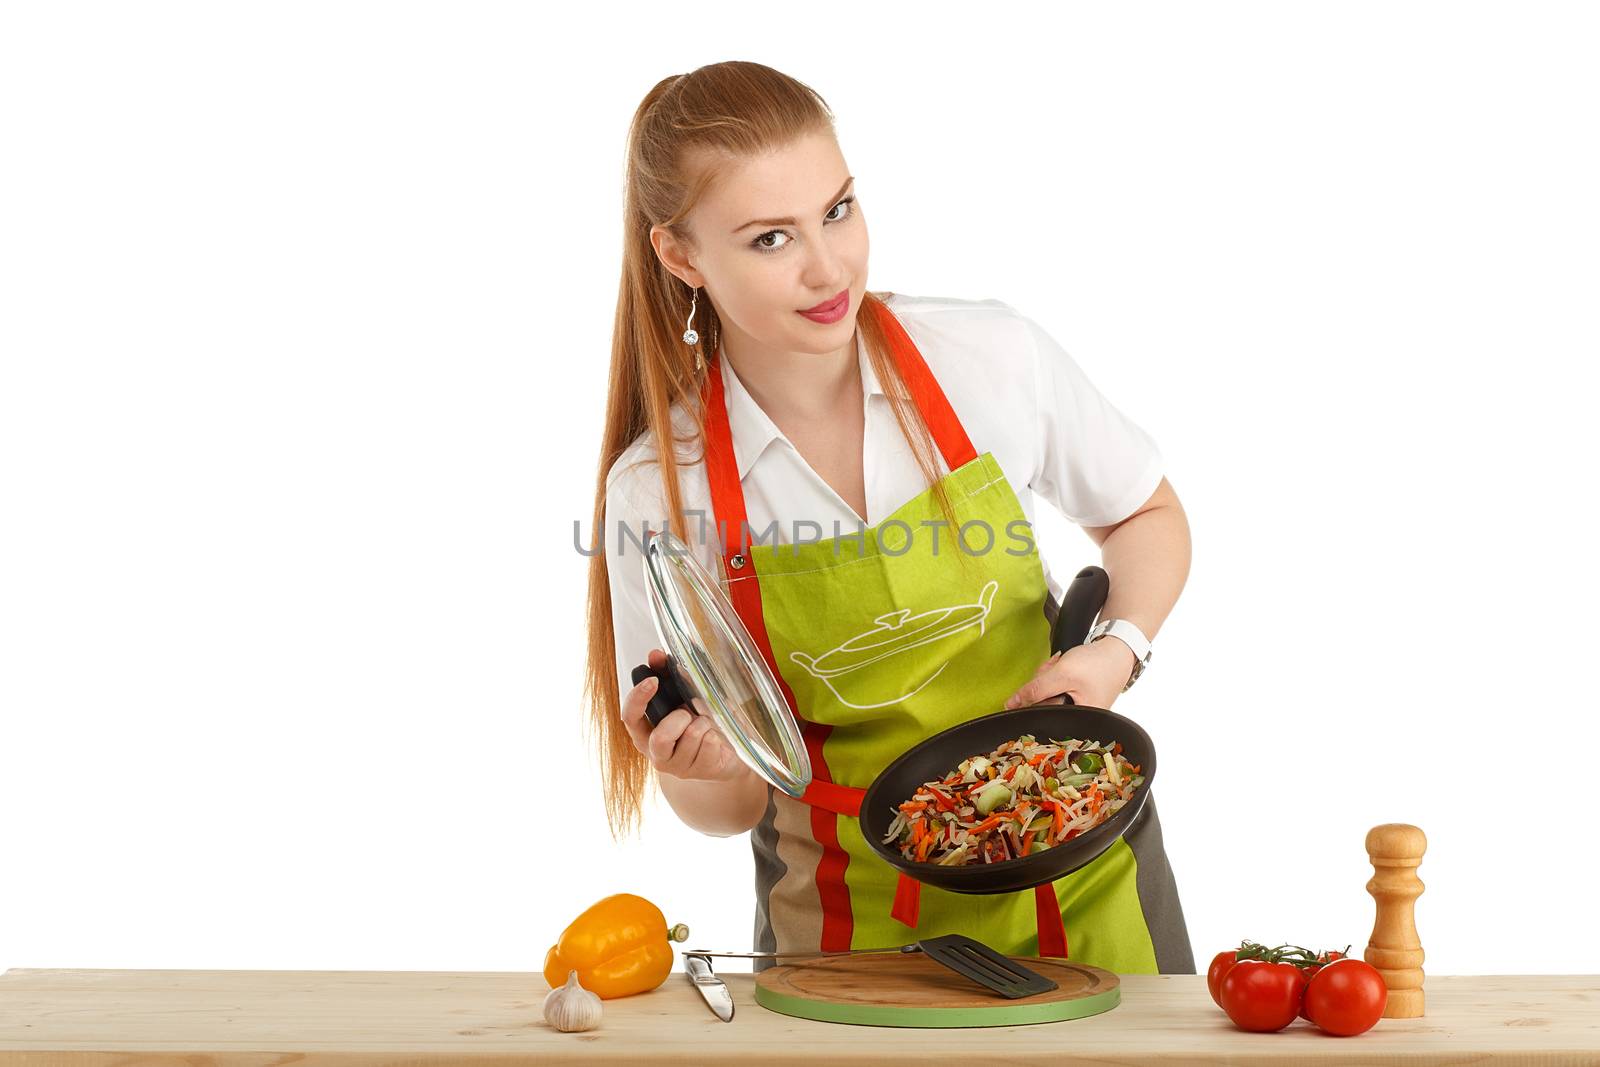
1091 674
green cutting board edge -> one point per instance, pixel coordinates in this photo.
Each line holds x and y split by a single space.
896 989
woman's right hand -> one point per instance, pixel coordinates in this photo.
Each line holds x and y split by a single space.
682 744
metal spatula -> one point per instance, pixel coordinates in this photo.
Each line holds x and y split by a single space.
968 958
985 966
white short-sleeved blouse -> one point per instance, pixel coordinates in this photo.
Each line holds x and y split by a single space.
1016 391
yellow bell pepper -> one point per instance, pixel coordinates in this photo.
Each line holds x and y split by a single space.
619 946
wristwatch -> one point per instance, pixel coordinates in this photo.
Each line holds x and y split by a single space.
1128 634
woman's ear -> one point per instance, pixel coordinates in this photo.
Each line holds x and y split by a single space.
674 253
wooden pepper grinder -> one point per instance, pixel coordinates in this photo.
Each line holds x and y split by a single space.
1396 851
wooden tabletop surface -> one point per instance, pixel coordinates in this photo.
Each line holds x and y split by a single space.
54 1018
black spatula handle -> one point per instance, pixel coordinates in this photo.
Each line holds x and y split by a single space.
668 697
1080 606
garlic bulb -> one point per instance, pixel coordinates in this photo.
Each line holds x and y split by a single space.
572 1007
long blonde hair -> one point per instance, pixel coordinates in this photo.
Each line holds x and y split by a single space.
723 111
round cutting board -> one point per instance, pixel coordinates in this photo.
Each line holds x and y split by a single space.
909 989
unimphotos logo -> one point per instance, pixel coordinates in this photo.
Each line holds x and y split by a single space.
892 537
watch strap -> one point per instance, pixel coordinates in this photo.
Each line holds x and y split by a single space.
1130 635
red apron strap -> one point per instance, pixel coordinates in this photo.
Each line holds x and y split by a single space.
1052 927
907 900
727 501
839 799
946 429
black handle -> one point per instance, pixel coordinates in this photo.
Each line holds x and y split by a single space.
1080 606
668 697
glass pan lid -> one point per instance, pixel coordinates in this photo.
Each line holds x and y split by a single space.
718 667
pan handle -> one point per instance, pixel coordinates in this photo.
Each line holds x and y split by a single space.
668 698
1080 605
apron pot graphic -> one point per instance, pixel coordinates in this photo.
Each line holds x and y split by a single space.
856 672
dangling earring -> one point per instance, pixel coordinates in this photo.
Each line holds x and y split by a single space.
689 335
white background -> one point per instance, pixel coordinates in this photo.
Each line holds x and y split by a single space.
305 328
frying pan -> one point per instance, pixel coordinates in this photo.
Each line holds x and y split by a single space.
940 754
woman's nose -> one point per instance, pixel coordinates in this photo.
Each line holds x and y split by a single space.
827 279
824 271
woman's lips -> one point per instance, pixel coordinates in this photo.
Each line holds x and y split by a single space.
829 310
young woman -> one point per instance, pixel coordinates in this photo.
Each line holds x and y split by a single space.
858 433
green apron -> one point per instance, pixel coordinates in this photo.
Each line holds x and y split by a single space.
880 640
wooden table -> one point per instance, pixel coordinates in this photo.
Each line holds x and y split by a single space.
50 1018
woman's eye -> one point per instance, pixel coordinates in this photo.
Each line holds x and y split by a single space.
761 244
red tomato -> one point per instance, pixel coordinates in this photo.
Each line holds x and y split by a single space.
1221 964
1262 996
1346 997
1323 959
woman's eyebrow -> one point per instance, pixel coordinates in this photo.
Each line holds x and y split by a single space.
790 221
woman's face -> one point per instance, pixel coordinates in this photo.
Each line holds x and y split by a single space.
777 235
